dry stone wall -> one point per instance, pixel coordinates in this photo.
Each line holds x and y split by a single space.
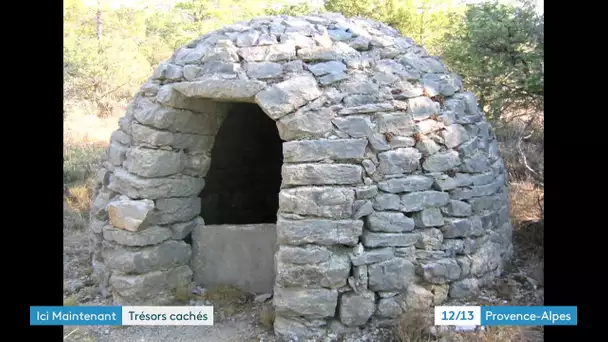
393 197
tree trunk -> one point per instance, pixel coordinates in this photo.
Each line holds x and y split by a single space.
99 22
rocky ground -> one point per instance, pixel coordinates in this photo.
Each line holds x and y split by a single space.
242 319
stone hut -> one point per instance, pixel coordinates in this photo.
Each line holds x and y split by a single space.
329 160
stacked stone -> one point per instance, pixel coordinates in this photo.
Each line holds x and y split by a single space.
147 198
394 195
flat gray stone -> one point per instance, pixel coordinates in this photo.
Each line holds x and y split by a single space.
441 161
181 230
356 308
430 239
456 227
487 258
263 70
444 182
175 209
317 150
168 96
287 96
170 253
366 192
364 209
148 137
292 328
154 163
309 303
374 239
332 78
305 124
337 51
406 184
361 99
390 308
464 288
418 201
221 89
150 236
271 53
384 201
444 84
247 38
401 160
391 275
372 256
153 188
390 222
477 163
421 108
330 274
321 232
326 202
439 271
152 288
339 35
219 67
308 254
132 215
429 217
322 174
356 127
367 108
457 209
396 123
360 43
454 135
320 69
191 72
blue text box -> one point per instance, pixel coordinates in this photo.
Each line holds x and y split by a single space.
528 315
75 315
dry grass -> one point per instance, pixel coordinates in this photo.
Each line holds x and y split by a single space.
267 318
226 294
70 301
525 194
533 147
183 294
72 219
85 139
412 325
495 334
79 197
228 298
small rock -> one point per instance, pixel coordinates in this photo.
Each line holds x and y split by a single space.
465 328
130 214
262 298
199 290
73 286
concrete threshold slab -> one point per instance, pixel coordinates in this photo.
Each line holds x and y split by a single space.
238 255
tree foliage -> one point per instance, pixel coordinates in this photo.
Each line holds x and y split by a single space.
425 21
499 52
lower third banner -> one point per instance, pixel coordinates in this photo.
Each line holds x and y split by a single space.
121 315
505 315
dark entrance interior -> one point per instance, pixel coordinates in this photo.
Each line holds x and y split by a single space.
243 182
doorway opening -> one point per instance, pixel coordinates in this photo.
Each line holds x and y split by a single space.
243 182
